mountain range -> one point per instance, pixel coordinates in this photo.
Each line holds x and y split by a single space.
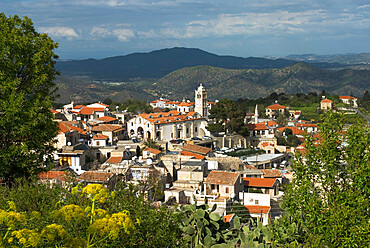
176 72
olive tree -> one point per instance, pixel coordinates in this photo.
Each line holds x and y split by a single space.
26 87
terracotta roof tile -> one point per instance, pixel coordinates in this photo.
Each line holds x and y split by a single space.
257 126
256 209
197 156
276 107
347 97
107 128
100 137
264 144
271 173
326 100
196 149
58 175
96 176
107 118
228 217
89 111
222 177
114 160
295 130
259 182
185 104
153 151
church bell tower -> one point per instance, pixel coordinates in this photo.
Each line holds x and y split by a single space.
201 101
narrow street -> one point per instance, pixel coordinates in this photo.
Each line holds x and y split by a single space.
366 118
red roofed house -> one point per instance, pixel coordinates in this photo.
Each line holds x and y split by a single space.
326 104
273 110
107 179
99 140
193 150
185 107
259 213
151 153
349 100
308 127
113 131
67 135
62 178
266 185
222 184
260 133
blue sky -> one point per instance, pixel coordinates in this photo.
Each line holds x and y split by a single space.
102 28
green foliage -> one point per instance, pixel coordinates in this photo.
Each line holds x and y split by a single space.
90 216
151 144
204 228
327 202
227 117
26 75
241 211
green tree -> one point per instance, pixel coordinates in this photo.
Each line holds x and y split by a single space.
151 144
26 87
327 204
226 114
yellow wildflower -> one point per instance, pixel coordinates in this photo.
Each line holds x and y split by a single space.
53 232
72 212
97 192
12 205
10 219
26 237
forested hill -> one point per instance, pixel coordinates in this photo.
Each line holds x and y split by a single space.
157 64
249 83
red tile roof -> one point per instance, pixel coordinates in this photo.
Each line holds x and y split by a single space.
257 126
78 106
107 118
192 154
107 128
153 151
271 123
67 126
89 111
264 144
186 104
53 111
347 97
100 137
256 209
228 217
222 177
96 176
259 182
276 107
114 160
306 125
295 130
271 173
326 100
196 149
58 175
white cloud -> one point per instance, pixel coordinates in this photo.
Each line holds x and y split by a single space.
100 32
60 32
267 23
123 34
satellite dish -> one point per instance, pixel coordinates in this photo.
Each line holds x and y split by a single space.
69 144
232 195
149 161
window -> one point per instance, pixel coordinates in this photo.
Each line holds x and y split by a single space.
138 174
132 123
187 130
98 143
227 190
144 174
196 129
256 202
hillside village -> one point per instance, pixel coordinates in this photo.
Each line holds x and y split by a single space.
172 151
